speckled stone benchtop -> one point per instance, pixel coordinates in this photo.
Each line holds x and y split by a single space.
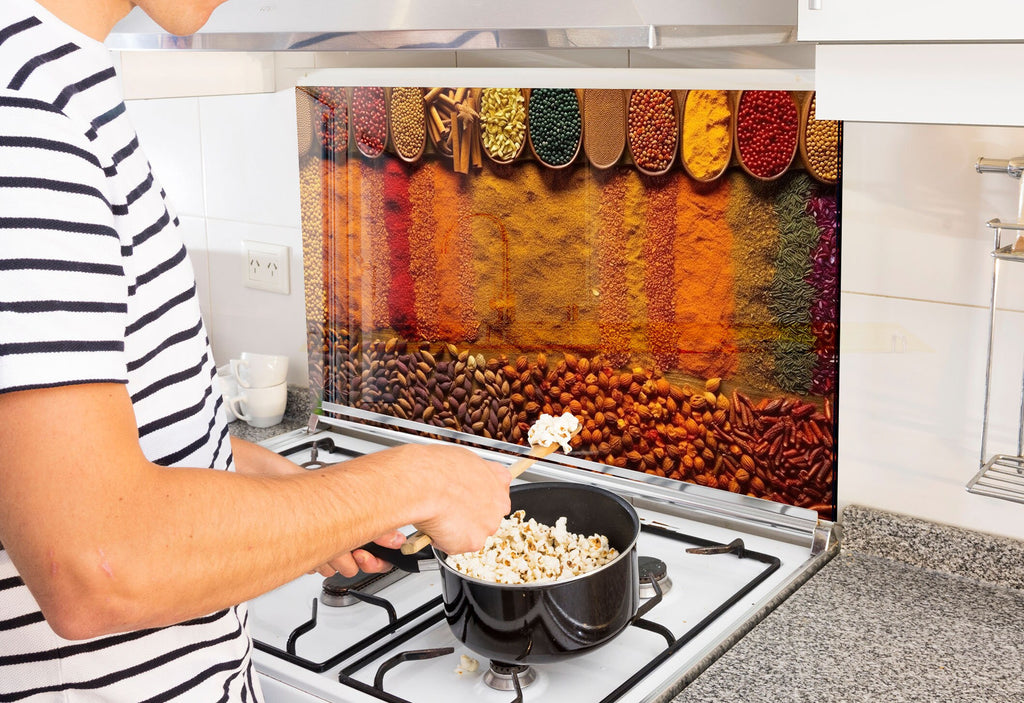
297 410
909 610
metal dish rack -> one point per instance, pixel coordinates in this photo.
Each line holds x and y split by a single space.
1001 475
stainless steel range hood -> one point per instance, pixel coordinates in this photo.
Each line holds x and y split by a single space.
470 25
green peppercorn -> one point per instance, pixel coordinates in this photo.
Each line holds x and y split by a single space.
555 124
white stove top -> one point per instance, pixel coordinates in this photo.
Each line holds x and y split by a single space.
701 584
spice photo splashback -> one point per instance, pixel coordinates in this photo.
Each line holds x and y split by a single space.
662 264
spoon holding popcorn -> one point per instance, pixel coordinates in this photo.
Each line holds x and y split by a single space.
546 435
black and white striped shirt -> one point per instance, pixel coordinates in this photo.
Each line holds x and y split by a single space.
95 286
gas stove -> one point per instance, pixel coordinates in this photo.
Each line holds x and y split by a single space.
713 564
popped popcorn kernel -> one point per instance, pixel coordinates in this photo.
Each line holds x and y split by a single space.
549 430
524 551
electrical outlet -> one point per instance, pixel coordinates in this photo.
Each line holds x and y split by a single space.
265 266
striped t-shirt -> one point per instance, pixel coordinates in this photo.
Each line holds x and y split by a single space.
96 287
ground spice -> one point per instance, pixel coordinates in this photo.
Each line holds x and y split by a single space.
754 225
376 254
422 233
372 264
546 299
402 293
453 244
344 245
604 125
704 281
707 133
614 309
659 264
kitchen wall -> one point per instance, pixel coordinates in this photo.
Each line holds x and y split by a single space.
229 165
916 282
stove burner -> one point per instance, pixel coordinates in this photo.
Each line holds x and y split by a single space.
337 591
652 569
313 462
501 676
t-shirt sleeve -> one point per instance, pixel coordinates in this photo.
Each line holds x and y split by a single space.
63 290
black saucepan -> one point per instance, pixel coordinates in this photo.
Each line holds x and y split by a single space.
542 622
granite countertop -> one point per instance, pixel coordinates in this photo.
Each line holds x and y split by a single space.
297 411
909 610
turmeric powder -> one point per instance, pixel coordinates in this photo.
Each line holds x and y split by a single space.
707 133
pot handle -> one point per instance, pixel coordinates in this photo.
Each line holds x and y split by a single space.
413 563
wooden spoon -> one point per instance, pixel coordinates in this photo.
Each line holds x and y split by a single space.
418 540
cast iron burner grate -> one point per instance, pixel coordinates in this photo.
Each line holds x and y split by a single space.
432 612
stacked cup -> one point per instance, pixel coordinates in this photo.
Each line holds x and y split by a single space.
262 388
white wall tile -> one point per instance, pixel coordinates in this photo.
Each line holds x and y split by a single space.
910 421
168 131
245 319
249 158
914 210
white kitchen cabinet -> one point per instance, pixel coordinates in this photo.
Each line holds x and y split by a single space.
959 84
910 20
917 61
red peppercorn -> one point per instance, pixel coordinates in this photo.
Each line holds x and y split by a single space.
369 118
767 128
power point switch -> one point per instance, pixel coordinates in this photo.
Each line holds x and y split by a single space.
265 266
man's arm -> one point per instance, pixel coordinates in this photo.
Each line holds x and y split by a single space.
253 459
107 541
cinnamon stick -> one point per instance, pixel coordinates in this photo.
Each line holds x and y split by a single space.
436 119
456 146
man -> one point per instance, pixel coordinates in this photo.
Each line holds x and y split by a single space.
123 555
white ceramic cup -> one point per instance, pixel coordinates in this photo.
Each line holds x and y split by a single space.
259 370
228 388
260 407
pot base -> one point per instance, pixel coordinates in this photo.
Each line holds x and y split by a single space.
501 676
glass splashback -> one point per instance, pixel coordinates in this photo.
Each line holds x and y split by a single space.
661 264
